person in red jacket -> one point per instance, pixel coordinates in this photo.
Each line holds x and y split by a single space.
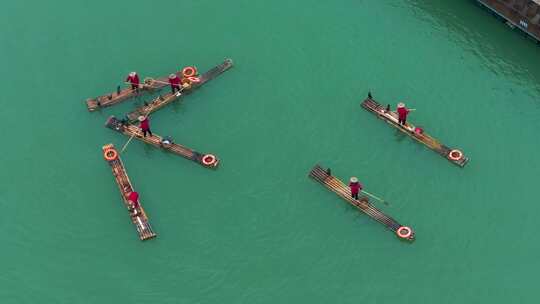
355 187
145 125
174 80
133 79
402 113
133 197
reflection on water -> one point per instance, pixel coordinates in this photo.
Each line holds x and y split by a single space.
484 36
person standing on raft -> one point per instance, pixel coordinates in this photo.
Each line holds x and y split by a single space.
355 187
133 79
174 80
133 197
402 113
145 125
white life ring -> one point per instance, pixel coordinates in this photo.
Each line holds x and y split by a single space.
209 160
404 232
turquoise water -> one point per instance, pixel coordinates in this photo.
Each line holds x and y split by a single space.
257 230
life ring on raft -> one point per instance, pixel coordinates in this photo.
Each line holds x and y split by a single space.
404 232
194 79
189 71
455 155
209 160
110 154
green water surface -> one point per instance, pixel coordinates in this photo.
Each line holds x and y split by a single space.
258 230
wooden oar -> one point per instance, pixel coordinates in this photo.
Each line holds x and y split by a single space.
139 84
375 197
127 143
142 85
159 81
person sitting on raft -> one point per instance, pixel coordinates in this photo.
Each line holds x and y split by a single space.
145 125
174 80
355 187
402 113
133 79
133 198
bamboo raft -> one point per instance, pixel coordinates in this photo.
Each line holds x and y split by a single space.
337 186
205 160
139 219
392 118
162 101
149 85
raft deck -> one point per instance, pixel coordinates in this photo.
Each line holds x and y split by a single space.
139 219
155 140
338 187
392 118
149 85
162 101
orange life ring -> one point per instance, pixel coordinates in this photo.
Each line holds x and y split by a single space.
404 232
455 155
209 160
189 71
194 79
110 154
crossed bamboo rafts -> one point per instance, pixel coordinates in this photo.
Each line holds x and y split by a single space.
127 128
163 100
151 85
111 155
148 86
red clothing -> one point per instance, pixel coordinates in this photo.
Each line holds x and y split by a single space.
134 197
402 112
133 79
355 187
174 81
145 124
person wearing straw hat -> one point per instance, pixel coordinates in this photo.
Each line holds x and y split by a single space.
145 125
355 187
402 113
174 80
133 79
